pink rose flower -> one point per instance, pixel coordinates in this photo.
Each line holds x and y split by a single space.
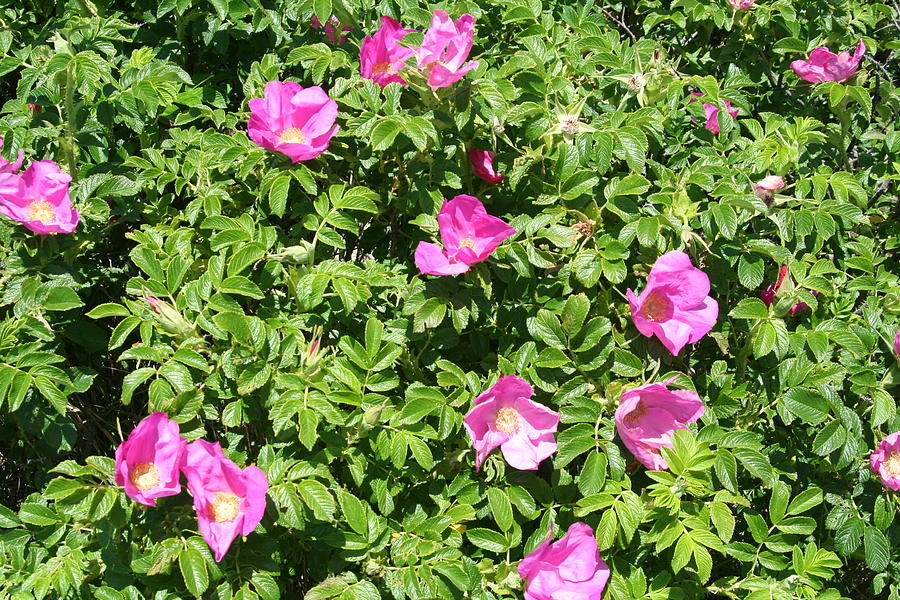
292 120
675 306
648 415
483 165
886 461
824 65
381 57
712 112
505 416
10 167
768 296
741 4
897 344
568 569
148 463
770 183
445 48
469 236
38 198
228 500
330 28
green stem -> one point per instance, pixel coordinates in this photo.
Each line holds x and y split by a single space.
70 119
844 117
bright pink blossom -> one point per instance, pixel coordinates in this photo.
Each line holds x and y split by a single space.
897 344
886 461
648 415
10 167
333 22
292 120
483 165
381 57
675 306
445 48
505 416
768 296
770 183
741 4
568 569
228 500
824 65
38 198
469 236
712 112
148 463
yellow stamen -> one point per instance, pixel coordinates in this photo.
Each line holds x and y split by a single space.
145 476
892 465
224 507
655 307
635 416
507 420
467 243
292 136
41 210
383 67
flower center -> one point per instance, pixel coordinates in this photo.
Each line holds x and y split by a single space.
224 507
467 243
635 416
570 125
41 210
292 136
892 465
145 476
507 420
382 67
655 308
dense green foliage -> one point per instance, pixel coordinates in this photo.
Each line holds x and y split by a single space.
373 490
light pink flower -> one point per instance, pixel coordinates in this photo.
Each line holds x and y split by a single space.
568 569
469 236
675 306
330 28
381 57
148 463
768 296
505 416
712 112
10 167
741 4
483 165
824 65
886 461
228 500
445 48
292 120
648 415
770 183
38 198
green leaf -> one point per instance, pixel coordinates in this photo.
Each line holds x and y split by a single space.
749 308
488 539
355 512
62 298
110 309
36 514
317 497
193 569
278 193
877 549
501 508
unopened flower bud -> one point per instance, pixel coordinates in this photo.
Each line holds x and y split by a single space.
170 320
372 415
293 254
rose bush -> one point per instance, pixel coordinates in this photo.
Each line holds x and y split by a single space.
523 299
